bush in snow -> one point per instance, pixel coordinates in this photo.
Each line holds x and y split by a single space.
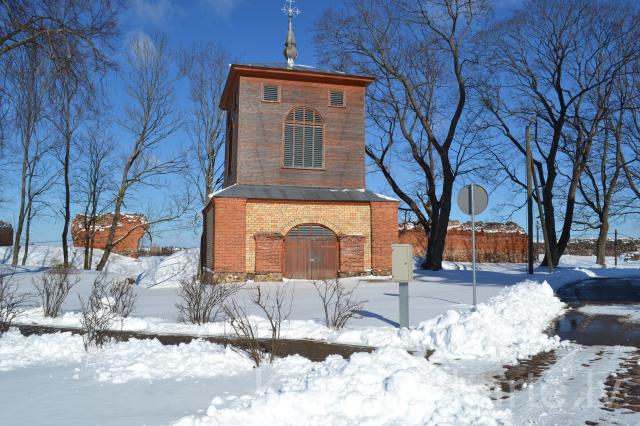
276 306
53 287
338 303
122 299
97 314
201 302
11 302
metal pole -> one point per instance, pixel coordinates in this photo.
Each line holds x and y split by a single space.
473 245
529 206
404 304
615 247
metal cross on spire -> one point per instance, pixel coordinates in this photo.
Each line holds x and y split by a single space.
291 9
290 48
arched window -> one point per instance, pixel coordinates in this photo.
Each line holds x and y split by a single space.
303 139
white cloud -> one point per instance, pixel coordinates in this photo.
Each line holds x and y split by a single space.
155 11
222 8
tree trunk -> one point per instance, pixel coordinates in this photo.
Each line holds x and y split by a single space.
601 243
440 223
67 189
21 213
27 234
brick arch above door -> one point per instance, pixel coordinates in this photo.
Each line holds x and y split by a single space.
279 216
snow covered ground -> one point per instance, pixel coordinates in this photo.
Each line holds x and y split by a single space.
143 382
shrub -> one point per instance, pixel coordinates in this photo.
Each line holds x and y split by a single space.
11 302
53 287
97 314
200 303
339 303
276 306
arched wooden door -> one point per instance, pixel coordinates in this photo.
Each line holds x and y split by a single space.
311 252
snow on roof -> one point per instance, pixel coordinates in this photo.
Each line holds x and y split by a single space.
5 225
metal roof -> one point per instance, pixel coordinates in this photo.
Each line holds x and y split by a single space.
273 192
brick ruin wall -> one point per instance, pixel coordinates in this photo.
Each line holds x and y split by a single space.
494 242
6 234
135 225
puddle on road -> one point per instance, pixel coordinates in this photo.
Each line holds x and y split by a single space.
598 329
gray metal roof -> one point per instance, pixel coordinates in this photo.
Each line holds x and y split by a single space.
273 192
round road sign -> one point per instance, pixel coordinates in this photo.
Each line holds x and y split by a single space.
477 194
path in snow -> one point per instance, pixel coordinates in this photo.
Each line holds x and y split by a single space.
569 391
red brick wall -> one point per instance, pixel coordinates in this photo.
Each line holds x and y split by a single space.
6 234
229 234
351 254
490 246
384 232
269 253
134 224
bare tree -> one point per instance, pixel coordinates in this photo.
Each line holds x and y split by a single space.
276 306
205 68
420 53
201 302
53 287
28 86
149 120
602 190
338 302
554 63
40 179
42 23
11 302
94 181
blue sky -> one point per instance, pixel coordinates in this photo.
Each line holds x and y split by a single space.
253 31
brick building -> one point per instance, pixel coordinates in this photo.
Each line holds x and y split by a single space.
6 234
294 202
130 230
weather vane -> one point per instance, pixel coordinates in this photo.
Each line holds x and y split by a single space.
291 9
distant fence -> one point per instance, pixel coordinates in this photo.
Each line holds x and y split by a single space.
157 251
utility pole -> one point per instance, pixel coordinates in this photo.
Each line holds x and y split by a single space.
615 247
529 206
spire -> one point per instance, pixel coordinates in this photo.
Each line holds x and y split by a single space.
290 47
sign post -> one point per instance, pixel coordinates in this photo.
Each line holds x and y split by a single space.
473 200
402 272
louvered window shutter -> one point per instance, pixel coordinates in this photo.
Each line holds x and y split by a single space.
303 143
270 93
336 98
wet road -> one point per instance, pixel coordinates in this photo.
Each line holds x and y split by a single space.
588 329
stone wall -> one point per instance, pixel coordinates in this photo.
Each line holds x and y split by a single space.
130 230
6 234
494 242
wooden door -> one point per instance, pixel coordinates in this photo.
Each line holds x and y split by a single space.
311 252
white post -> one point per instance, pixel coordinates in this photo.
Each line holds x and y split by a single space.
473 245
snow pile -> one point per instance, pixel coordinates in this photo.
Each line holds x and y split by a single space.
122 362
507 327
150 360
171 269
630 313
386 387
17 351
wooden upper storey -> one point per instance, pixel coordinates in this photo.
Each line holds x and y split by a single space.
303 138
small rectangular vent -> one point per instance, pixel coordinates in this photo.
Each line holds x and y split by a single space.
271 93
336 98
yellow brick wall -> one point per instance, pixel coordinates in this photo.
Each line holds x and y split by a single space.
280 217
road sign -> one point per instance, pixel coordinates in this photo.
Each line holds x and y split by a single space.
473 194
472 200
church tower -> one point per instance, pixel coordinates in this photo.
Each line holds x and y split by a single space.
294 202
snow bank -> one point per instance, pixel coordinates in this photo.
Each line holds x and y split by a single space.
386 387
152 271
171 269
507 327
122 362
17 351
